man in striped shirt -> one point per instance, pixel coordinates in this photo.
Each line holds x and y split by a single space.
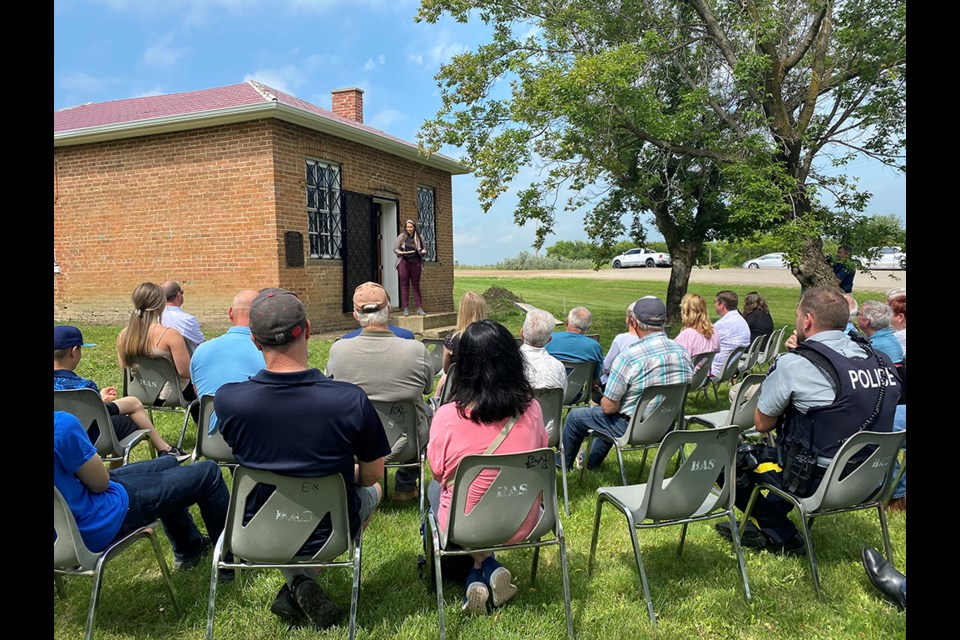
653 360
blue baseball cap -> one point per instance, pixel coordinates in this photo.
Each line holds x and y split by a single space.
66 336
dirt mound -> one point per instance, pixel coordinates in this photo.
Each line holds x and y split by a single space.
500 300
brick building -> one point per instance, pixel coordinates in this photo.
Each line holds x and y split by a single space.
239 187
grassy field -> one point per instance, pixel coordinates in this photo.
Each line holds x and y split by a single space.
697 595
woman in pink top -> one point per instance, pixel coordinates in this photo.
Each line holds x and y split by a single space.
698 335
489 389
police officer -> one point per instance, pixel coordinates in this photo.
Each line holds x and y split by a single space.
828 388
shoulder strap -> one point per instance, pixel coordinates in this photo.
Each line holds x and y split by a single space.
822 363
493 445
160 337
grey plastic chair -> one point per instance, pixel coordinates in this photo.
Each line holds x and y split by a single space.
579 382
71 557
701 372
211 446
521 478
88 407
772 348
750 358
447 386
741 411
729 370
435 350
145 379
645 433
689 496
274 535
551 405
399 418
865 487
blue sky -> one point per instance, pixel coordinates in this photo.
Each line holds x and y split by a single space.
115 49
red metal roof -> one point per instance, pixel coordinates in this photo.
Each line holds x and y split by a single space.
131 110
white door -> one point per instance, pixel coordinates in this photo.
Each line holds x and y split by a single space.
388 233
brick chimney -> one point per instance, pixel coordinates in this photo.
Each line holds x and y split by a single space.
348 103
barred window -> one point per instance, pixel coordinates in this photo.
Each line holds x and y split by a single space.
427 221
323 209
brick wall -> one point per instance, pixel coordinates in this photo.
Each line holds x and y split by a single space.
209 208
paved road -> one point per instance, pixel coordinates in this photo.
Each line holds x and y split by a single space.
878 281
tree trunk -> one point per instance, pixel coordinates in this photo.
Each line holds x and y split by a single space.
683 257
813 270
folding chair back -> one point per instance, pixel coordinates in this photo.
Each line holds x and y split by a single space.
521 479
447 389
690 492
551 405
701 370
69 551
668 402
749 359
146 378
579 381
88 407
399 417
288 517
868 482
211 446
773 345
743 407
435 350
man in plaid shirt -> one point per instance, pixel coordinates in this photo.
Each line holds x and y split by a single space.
653 360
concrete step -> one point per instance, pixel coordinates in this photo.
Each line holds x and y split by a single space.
419 324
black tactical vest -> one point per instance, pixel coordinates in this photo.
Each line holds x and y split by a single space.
858 404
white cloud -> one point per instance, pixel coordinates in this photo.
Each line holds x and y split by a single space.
384 119
287 78
84 82
442 51
415 57
162 52
155 91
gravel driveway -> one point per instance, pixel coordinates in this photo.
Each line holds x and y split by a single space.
878 281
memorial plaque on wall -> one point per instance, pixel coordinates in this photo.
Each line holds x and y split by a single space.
293 244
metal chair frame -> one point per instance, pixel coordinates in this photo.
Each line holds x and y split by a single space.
729 370
88 407
211 446
71 557
551 405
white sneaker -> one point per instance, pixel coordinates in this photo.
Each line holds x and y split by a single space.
500 584
476 599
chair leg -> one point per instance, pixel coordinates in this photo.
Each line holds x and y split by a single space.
212 601
58 584
167 581
566 581
186 423
437 573
885 531
737 548
536 563
588 442
643 574
563 473
683 537
423 489
623 471
596 531
355 595
95 596
808 542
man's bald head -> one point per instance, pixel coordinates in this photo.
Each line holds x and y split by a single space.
171 289
239 311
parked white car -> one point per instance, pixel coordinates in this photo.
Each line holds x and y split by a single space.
888 258
766 261
642 258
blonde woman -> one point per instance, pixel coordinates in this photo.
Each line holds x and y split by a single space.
473 308
698 334
145 336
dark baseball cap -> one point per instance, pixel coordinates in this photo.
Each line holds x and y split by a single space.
66 336
277 317
650 310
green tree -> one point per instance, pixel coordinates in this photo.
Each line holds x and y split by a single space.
709 115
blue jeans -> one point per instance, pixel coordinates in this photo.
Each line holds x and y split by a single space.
900 424
581 420
161 488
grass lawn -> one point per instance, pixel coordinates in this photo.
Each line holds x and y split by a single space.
698 595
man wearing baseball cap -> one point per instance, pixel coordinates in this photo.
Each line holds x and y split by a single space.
653 359
292 420
388 369
126 414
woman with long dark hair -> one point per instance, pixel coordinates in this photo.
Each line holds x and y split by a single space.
489 390
758 317
410 252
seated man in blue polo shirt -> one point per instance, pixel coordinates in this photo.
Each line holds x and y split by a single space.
572 345
231 357
108 505
292 420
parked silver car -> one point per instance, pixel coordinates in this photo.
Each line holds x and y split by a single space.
642 258
887 258
766 261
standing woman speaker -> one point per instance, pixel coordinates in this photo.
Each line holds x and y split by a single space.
410 252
